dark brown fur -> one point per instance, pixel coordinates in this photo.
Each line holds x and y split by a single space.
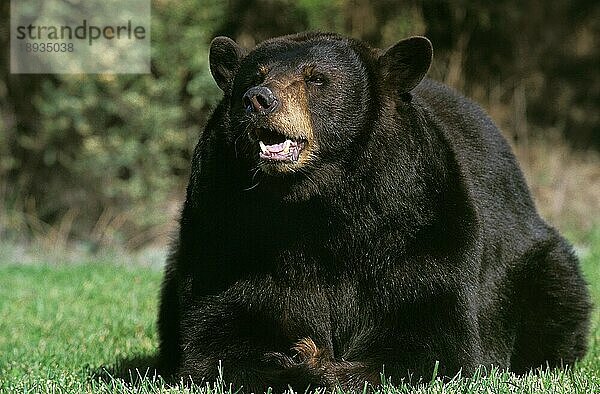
405 234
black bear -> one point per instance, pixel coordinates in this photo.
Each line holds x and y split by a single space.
347 216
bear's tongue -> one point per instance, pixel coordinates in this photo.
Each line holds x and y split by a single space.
285 151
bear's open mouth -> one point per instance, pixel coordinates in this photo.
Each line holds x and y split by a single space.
278 147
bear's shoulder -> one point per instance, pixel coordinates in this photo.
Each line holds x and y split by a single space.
485 159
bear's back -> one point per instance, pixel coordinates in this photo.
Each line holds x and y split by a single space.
489 169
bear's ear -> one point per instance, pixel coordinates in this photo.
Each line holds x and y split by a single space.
224 58
405 64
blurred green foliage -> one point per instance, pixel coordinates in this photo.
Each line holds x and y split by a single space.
93 144
98 157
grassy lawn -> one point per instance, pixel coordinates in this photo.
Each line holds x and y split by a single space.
61 327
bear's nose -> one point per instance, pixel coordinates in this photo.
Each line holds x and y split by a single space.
259 99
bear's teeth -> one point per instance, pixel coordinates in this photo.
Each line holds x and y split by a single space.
263 147
286 146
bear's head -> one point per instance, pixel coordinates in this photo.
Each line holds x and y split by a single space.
299 103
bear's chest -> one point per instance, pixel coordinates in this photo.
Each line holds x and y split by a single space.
274 315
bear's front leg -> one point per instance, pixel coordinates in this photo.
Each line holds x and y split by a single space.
312 367
307 369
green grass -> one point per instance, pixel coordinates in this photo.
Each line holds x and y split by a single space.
58 325
64 327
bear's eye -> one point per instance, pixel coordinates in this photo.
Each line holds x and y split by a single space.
316 79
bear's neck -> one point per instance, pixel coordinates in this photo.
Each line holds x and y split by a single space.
403 192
